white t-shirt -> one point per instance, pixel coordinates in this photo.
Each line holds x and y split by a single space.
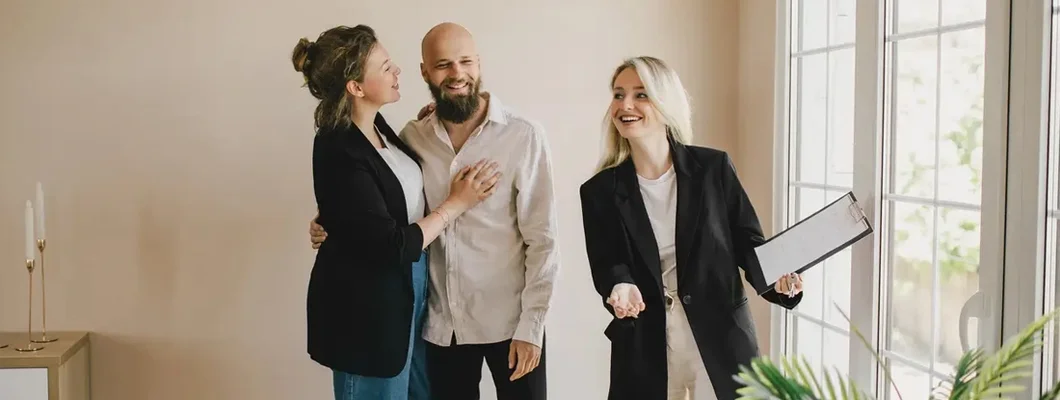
410 176
685 367
660 201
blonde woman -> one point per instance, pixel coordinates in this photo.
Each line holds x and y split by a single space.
668 228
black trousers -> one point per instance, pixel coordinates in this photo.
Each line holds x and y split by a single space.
456 370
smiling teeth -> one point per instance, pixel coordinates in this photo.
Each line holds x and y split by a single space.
629 119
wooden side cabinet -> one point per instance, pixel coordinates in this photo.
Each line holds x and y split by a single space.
59 371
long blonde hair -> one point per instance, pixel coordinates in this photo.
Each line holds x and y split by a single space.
666 94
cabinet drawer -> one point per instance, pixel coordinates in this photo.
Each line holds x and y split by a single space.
24 383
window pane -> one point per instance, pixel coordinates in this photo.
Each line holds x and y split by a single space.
836 353
794 120
909 329
961 116
813 24
809 342
842 21
914 98
822 348
958 274
841 118
915 15
934 115
912 383
794 28
961 11
836 271
811 130
821 166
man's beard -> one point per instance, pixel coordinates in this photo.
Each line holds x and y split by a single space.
455 108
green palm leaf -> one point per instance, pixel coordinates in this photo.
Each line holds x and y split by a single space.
1010 362
975 376
959 385
793 380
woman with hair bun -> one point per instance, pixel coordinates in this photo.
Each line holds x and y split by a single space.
367 291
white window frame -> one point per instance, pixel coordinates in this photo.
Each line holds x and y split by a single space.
778 333
1016 98
1025 197
1052 280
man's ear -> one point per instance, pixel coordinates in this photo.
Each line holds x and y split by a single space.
352 87
423 73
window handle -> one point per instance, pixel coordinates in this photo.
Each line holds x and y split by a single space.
973 308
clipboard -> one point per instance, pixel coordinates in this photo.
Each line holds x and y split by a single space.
810 241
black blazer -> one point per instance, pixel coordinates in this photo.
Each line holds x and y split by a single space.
717 230
360 299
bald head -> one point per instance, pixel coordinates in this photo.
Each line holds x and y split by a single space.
449 41
451 69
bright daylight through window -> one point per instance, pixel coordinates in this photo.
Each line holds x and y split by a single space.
927 178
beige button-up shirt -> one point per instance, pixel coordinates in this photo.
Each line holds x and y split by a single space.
492 271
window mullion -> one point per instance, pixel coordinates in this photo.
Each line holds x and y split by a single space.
868 78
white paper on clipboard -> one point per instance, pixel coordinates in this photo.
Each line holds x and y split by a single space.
812 240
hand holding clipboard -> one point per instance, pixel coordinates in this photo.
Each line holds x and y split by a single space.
812 240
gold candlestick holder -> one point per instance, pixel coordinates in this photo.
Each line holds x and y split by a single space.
43 298
30 346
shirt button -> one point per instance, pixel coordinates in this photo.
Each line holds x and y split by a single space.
687 299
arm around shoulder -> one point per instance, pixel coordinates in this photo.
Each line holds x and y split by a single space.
354 213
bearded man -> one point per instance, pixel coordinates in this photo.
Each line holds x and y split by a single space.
493 269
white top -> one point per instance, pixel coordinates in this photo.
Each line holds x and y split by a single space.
660 200
493 270
408 173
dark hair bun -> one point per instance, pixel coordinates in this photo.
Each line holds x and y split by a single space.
300 56
336 57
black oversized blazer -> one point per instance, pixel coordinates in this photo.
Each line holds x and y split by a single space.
360 299
716 232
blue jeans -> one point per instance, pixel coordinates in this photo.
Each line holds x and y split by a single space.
411 383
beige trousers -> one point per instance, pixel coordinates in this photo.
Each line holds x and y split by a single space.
687 377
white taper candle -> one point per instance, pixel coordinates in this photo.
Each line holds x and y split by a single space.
31 242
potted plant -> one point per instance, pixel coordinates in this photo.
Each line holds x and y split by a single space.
976 375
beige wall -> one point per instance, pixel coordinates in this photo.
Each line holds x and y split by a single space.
754 137
173 142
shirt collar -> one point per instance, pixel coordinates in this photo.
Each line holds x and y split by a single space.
495 110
